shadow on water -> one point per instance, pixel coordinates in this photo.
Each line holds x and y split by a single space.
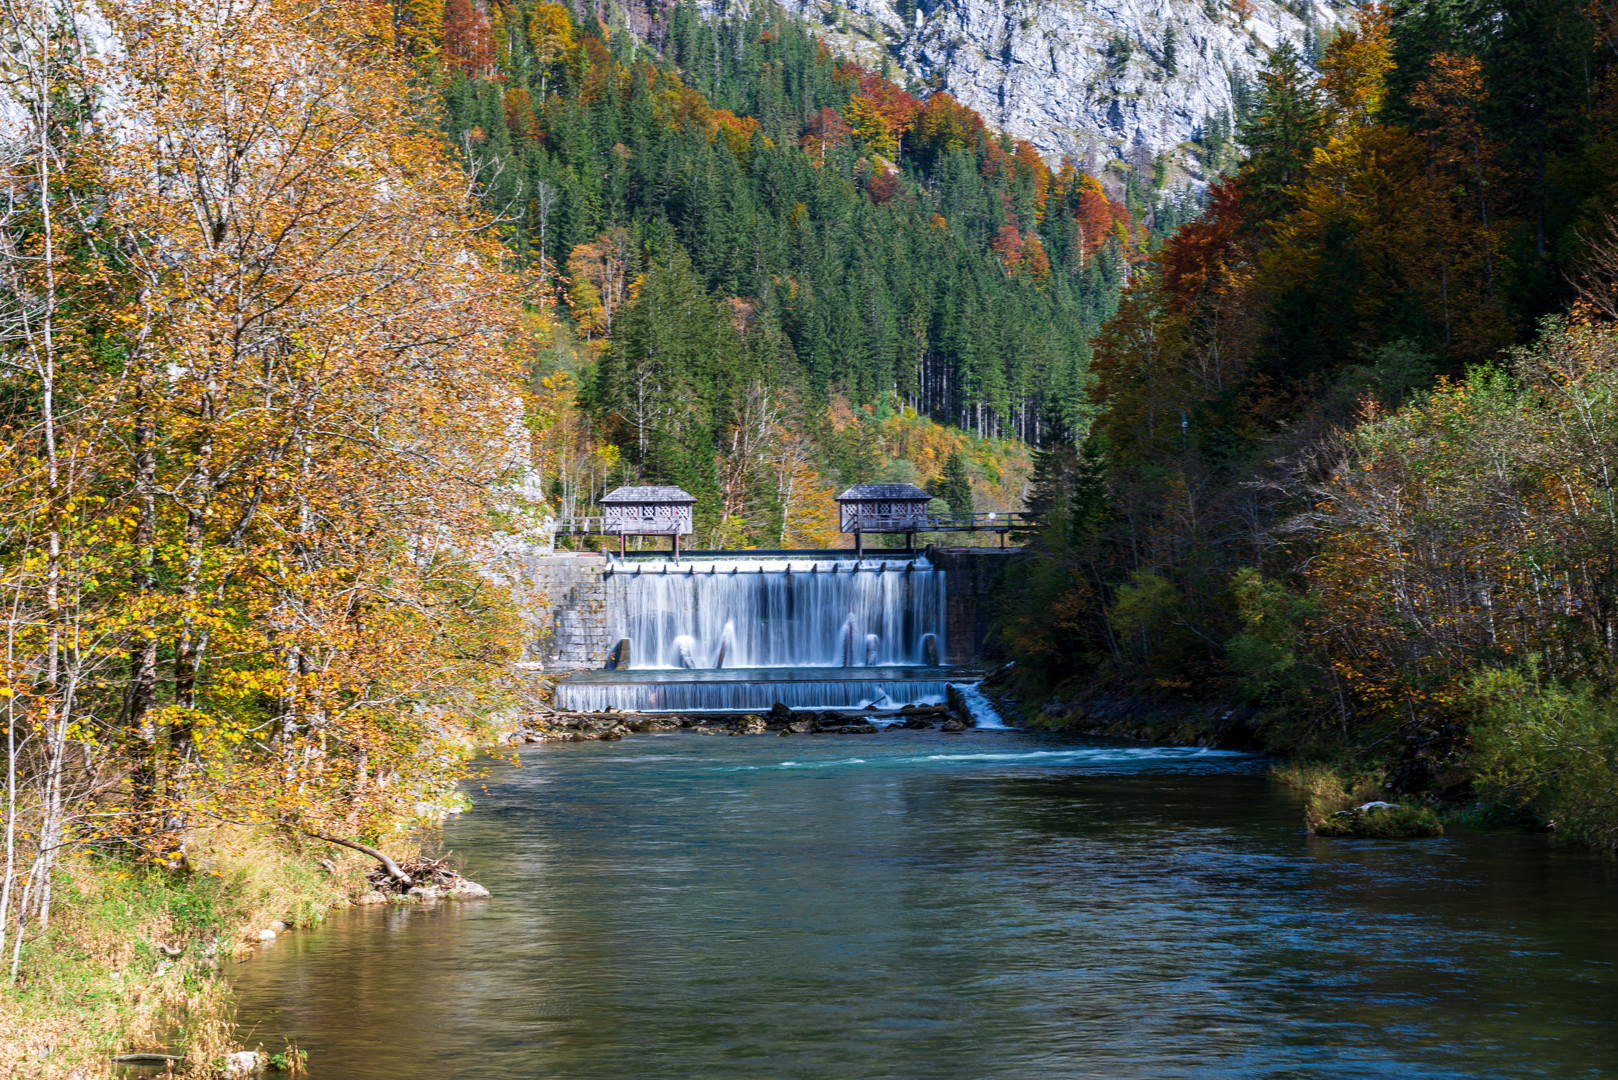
915 905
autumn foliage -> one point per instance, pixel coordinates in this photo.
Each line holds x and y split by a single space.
1340 471
258 430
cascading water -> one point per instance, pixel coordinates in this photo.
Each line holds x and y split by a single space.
742 634
761 613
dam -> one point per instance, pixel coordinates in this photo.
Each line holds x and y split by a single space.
729 631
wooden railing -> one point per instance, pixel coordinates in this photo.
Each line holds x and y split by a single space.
976 522
600 526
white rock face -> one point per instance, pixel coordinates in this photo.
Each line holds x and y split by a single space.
1087 78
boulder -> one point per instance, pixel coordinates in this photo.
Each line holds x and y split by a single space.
916 723
779 711
614 733
800 727
952 724
750 724
244 1063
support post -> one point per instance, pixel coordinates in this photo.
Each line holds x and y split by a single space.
676 547
623 545
859 543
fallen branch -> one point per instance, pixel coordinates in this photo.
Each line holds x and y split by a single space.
387 864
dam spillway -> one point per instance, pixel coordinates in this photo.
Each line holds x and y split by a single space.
776 613
739 634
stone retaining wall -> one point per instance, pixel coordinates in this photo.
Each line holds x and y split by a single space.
565 599
969 574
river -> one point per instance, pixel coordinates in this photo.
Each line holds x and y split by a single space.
922 905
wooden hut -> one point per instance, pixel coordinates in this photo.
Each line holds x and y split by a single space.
883 508
662 510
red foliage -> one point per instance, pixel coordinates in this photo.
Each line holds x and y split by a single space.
996 162
1007 248
883 186
897 108
1201 248
827 129
468 41
520 116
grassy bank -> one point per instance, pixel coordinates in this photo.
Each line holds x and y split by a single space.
134 957
1334 790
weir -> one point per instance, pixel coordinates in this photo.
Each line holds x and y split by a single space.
740 634
777 613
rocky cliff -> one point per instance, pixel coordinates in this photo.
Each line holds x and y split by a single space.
1094 79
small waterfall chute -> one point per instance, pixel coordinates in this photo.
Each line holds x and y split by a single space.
727 644
684 649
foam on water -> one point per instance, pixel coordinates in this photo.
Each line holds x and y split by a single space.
983 713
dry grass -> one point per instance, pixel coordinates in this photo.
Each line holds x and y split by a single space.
101 981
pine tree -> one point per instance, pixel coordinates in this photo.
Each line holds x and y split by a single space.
1282 132
953 485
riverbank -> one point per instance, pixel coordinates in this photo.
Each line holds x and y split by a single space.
134 960
133 964
1349 795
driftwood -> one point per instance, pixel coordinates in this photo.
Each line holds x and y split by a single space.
388 865
146 1059
423 871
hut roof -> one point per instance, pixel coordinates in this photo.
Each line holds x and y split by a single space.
889 492
663 493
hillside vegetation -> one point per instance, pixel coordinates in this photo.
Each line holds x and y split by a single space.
1353 460
763 254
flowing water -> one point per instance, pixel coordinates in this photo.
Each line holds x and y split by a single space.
916 905
790 613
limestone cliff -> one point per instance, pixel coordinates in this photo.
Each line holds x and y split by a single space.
1090 78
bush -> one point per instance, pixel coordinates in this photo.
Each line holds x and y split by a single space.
1378 822
1550 749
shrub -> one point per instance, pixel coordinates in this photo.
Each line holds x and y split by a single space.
1548 748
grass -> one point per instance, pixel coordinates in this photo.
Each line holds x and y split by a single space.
1334 800
102 981
1379 823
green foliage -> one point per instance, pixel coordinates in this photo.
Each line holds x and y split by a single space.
1282 131
857 282
954 486
1338 481
1402 822
1550 748
1268 656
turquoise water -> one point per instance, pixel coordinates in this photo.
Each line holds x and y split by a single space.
921 905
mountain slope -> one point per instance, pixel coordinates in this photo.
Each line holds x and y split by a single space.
1090 80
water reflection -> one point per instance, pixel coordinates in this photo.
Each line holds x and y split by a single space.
917 905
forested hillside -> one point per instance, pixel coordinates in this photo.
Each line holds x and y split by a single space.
1353 458
764 254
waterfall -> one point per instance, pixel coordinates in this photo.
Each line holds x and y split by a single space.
716 695
778 613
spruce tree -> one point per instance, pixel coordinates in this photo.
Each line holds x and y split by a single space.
953 485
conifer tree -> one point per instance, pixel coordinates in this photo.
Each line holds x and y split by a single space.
954 486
